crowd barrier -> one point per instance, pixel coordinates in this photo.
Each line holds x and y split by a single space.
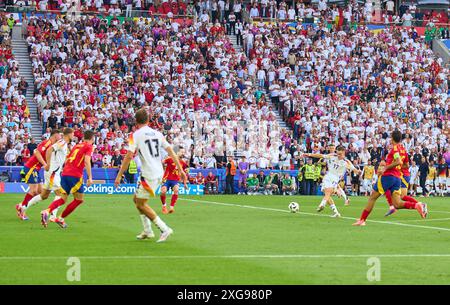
108 175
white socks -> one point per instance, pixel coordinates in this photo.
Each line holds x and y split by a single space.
334 209
341 191
33 201
146 224
160 224
323 203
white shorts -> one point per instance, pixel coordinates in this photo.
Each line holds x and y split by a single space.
367 184
147 188
52 180
330 182
441 180
428 182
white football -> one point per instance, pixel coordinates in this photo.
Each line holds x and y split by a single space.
294 207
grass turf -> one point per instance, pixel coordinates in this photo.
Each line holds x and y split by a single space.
233 240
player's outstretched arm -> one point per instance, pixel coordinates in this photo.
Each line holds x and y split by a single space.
318 156
175 159
125 163
87 164
48 157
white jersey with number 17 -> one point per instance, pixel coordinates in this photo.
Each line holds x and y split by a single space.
149 144
336 167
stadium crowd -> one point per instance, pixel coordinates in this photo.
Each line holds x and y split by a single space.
15 123
335 82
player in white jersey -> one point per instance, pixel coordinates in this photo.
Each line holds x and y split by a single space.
148 144
55 157
337 166
339 191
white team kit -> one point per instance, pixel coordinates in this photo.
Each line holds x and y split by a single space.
336 169
149 145
52 177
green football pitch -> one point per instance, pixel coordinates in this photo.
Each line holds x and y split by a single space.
227 240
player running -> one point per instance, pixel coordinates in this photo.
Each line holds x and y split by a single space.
337 165
31 169
55 156
339 190
404 184
148 143
171 179
72 180
389 179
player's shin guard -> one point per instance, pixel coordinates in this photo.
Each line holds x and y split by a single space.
163 199
173 200
33 201
71 207
409 198
55 204
27 199
160 224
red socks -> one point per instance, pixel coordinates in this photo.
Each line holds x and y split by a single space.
173 200
55 204
27 198
409 205
388 197
163 199
364 215
71 207
409 198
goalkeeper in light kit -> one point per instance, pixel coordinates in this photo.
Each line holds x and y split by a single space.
72 180
170 181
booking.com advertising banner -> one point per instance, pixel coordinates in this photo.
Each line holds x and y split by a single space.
106 188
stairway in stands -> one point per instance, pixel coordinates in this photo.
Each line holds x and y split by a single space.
20 51
238 48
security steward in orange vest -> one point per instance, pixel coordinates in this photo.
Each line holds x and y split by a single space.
231 172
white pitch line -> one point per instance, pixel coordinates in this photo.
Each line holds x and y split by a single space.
237 256
319 215
432 219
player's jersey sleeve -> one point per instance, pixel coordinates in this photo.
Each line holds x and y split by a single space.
43 147
132 143
89 149
349 165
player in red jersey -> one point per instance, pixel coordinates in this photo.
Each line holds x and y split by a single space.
404 185
390 180
31 169
72 179
171 179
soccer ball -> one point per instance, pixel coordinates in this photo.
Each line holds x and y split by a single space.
294 207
